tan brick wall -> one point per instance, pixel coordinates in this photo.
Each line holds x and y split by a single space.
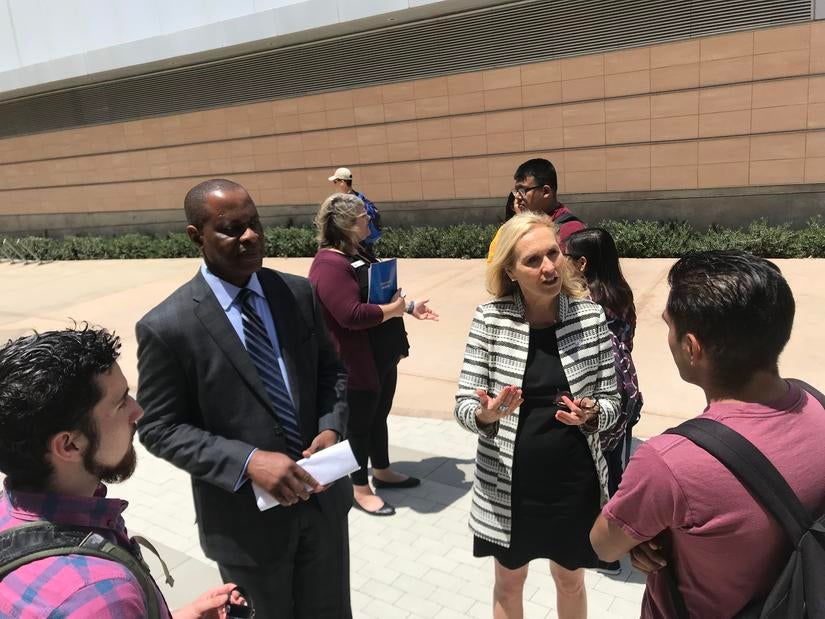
725 111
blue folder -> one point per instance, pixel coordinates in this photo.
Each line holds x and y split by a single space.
383 281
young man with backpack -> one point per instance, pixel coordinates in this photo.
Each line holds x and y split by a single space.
67 423
342 180
709 546
536 189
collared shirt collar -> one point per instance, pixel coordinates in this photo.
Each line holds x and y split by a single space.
225 292
84 511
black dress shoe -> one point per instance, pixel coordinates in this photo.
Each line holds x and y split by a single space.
385 510
410 482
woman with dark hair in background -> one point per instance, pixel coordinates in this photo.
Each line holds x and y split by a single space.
510 207
593 253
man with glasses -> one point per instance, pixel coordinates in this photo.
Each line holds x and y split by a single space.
536 189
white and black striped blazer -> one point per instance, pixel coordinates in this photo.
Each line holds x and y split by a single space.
496 356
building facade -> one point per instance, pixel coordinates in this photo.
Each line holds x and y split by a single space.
711 112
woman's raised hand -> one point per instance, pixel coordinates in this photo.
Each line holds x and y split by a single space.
492 409
581 410
422 312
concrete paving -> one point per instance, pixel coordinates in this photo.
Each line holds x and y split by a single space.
416 564
419 562
117 293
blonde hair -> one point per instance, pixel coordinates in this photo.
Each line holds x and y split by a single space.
337 222
498 281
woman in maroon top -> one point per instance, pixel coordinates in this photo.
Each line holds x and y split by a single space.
370 339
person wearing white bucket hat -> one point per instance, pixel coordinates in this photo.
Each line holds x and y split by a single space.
342 179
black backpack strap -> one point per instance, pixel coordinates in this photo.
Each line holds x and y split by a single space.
812 391
33 541
752 469
564 218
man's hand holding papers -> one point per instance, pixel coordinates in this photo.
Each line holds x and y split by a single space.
321 469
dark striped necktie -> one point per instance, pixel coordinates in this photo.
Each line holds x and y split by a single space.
260 350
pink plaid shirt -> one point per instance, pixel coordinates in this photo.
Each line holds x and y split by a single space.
73 586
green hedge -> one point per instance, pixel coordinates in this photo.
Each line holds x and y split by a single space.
653 239
634 239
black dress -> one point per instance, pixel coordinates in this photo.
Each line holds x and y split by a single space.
555 491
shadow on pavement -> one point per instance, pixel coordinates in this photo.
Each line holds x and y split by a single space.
443 480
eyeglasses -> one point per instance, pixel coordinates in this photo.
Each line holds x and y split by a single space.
591 407
523 191
364 214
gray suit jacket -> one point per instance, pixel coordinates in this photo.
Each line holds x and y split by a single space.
206 408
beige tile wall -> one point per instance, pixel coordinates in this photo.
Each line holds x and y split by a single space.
732 110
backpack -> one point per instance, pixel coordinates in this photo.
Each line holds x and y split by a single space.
799 591
39 540
566 217
374 220
630 407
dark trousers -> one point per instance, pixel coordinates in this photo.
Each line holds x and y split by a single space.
617 461
367 428
309 579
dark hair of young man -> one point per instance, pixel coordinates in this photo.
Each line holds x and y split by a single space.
738 306
607 285
540 169
48 385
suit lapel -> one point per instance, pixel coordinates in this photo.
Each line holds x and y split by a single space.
214 320
283 306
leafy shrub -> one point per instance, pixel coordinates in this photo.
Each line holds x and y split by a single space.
290 242
810 241
651 239
176 245
634 239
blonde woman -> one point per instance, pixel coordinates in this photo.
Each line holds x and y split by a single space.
537 386
370 339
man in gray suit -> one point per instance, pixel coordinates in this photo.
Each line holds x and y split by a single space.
238 380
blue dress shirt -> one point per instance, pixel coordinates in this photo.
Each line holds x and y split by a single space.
227 296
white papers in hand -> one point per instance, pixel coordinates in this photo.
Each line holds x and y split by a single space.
326 466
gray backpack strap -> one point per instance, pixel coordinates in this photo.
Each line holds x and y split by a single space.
151 548
33 541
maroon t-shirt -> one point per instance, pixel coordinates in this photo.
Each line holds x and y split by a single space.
568 227
347 317
726 548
